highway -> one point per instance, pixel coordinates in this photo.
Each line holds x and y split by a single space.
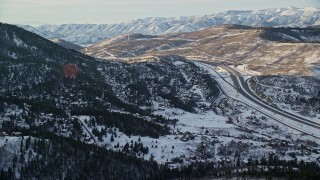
242 87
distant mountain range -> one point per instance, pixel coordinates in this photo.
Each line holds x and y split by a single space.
87 34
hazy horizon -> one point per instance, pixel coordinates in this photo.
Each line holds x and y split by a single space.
39 12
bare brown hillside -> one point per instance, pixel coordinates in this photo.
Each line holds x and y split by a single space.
224 43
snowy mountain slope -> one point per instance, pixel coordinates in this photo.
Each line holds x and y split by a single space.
61 80
168 110
40 84
86 34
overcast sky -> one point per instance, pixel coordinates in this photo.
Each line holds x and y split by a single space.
37 12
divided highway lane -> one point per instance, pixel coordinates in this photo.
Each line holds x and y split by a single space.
244 89
238 87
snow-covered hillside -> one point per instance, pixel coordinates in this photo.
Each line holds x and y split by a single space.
64 114
86 34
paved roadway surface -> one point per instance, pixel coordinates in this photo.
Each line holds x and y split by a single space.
241 85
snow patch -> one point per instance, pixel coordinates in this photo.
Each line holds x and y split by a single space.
19 42
178 63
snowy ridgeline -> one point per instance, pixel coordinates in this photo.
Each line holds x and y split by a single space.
86 34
